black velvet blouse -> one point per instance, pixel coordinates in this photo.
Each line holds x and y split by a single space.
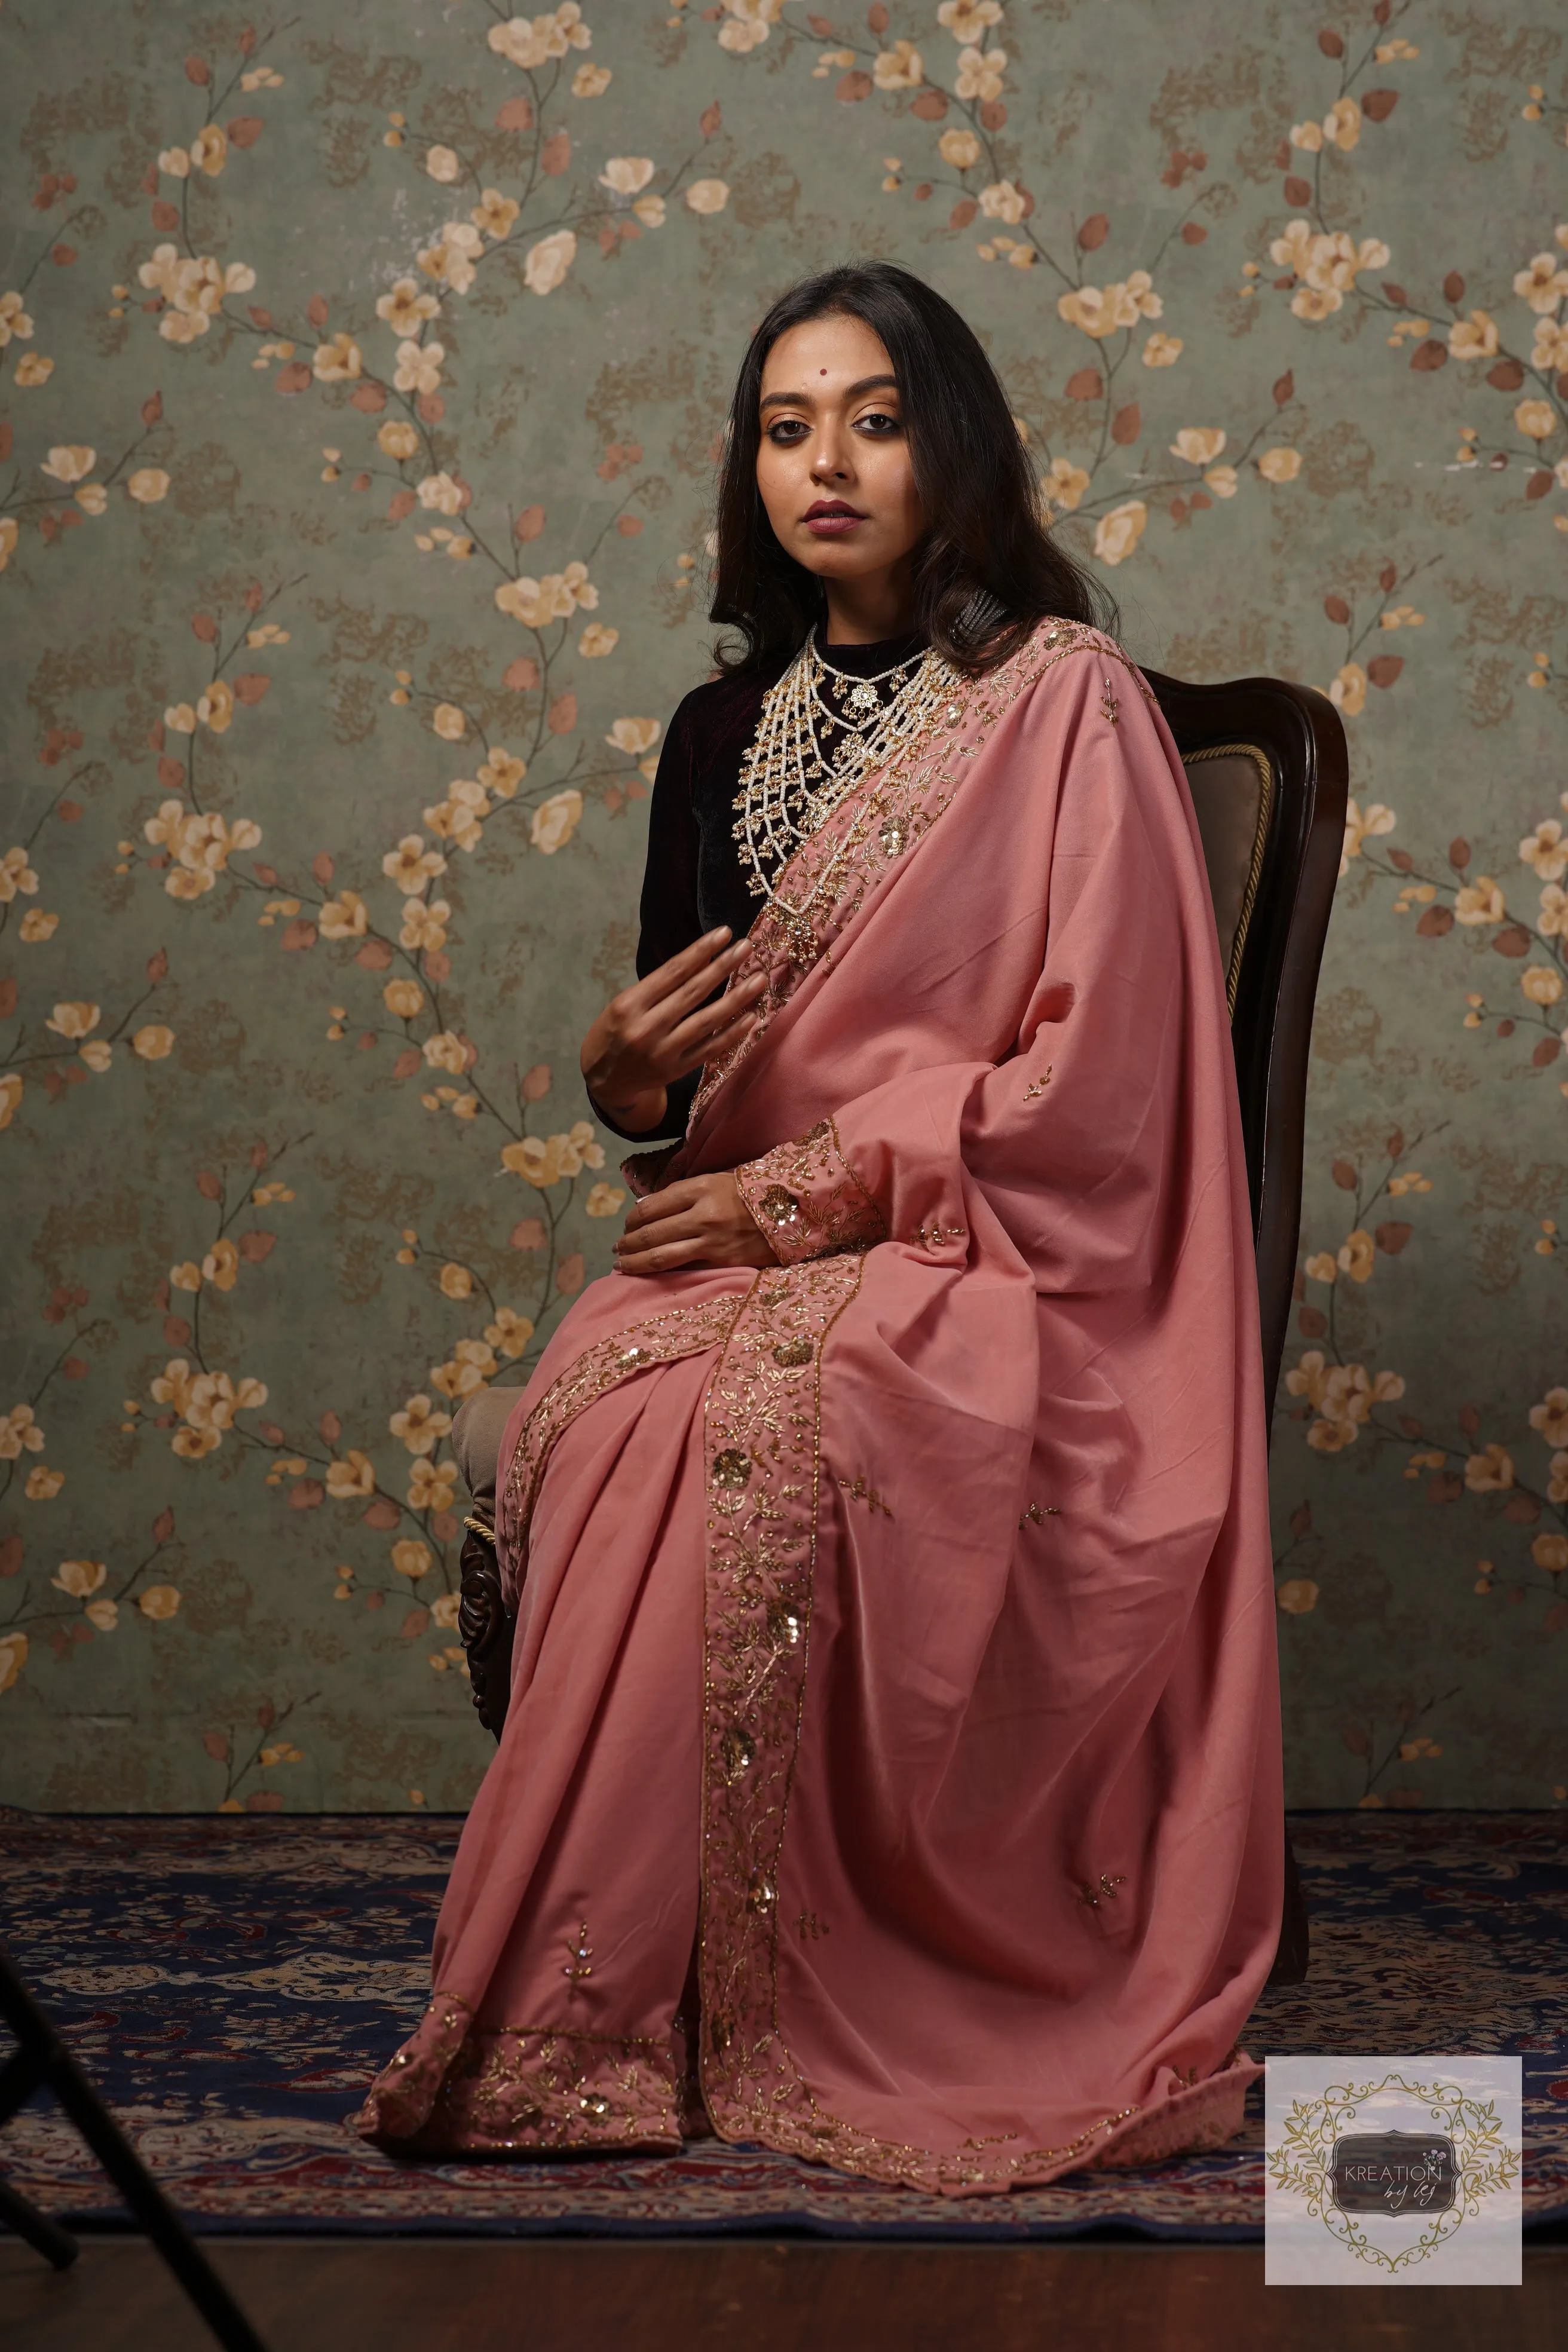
694 879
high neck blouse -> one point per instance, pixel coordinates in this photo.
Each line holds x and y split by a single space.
694 879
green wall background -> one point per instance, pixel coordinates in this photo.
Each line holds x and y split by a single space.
336 347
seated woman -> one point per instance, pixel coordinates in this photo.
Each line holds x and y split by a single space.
891 1774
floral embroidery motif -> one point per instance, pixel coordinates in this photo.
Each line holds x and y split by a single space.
807 1199
932 1237
458 2086
1109 706
581 1963
1088 1892
859 1492
1031 1093
1033 1517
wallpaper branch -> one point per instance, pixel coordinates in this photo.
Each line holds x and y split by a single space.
361 372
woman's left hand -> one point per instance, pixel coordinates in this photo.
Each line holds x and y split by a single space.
699 1220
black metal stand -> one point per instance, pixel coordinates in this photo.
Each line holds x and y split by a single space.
41 2057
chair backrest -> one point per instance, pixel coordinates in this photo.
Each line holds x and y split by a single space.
1266 765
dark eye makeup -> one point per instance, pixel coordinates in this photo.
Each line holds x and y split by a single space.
875 424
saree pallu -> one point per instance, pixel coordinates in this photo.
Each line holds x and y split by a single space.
898 1627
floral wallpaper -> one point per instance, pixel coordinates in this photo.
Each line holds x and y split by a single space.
359 374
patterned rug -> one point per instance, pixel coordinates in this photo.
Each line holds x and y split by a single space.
231 1984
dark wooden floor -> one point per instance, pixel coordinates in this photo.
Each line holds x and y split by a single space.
499 2296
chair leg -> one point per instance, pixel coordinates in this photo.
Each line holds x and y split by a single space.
1291 1954
45 2237
44 2056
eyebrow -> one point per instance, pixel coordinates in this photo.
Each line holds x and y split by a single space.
805 400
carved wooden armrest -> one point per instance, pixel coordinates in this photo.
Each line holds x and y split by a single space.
485 1624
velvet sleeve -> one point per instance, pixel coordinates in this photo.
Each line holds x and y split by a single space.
668 913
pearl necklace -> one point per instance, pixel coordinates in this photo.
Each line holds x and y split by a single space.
820 732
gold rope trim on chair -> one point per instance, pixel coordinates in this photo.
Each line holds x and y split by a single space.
1265 767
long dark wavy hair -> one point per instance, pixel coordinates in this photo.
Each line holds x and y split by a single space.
987 567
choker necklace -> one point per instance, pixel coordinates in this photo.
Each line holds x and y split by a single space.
821 730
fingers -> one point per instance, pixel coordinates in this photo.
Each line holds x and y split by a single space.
715 1027
690 977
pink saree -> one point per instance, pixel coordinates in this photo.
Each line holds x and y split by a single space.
898 1628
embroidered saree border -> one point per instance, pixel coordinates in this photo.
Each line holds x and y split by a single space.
456 2085
654 1339
807 1200
888 815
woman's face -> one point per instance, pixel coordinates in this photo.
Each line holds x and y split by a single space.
833 463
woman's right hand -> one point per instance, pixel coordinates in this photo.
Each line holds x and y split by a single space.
663 1028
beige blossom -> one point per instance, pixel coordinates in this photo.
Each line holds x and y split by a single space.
14 320
1489 1472
442 163
556 597
16 874
1357 1255
80 1578
43 1483
1161 351
406 307
338 360
148 486
591 81
502 773
1100 310
495 214
634 736
1374 819
431 1485
980 73
419 366
351 1479
1307 137
706 196
410 1559
649 210
153 1043
1347 689
1065 485
604 1200
544 1161
36 926
1550 1417
1537 419
425 923
1343 123
555 821
1279 465
445 1051
1541 983
1002 201
209 150
159 1601
346 917
1543 284
1549 354
597 641
1480 901
419 1424
1118 534
960 149
533 42
13 1657
411 866
899 68
626 175
19 1430
1296 1595
1198 443
221 1265
69 462
11 1092
33 369
1475 338
74 1020
510 1333
549 261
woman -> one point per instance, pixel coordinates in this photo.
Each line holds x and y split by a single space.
893 1770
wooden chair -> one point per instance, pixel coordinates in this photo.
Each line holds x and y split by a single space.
1266 765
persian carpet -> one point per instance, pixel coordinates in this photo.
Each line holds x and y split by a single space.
232 1984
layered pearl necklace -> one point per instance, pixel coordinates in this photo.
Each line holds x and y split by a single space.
821 732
